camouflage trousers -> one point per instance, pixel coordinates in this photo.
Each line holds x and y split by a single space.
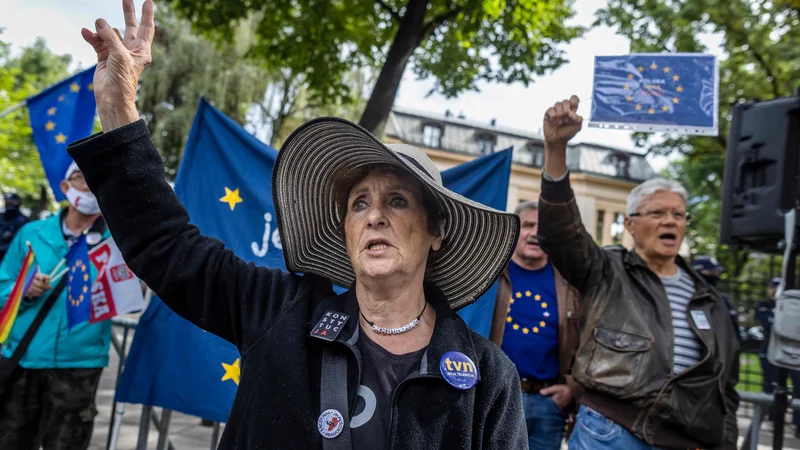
49 408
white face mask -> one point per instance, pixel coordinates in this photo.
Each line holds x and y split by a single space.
85 202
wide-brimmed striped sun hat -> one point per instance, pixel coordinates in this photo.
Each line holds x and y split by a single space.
477 240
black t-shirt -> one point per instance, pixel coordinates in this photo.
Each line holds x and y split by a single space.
382 371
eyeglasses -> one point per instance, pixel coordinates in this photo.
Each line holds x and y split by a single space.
77 178
660 214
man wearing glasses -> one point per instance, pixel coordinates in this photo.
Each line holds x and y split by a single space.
658 356
50 403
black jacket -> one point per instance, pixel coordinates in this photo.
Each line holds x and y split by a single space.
268 314
625 358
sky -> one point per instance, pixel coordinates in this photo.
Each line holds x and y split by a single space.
60 21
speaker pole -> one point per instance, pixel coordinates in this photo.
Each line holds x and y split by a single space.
789 278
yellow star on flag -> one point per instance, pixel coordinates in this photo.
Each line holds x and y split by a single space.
231 197
74 87
85 289
638 107
51 111
630 76
640 69
61 98
232 371
537 297
629 98
49 126
626 87
666 69
542 324
544 305
679 89
516 326
525 331
509 319
675 100
675 78
654 66
527 293
512 301
651 111
665 108
86 277
91 86
535 329
519 294
508 310
61 138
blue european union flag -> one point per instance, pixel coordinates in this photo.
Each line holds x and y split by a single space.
656 92
483 180
60 115
225 183
79 283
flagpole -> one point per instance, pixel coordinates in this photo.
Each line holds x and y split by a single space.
13 108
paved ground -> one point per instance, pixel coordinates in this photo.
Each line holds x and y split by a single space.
186 432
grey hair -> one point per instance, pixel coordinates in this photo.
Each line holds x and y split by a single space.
650 187
528 205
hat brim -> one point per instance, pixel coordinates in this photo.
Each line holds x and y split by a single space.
478 240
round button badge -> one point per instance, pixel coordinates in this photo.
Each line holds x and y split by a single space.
330 423
458 370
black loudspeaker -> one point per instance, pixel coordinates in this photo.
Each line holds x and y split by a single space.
761 173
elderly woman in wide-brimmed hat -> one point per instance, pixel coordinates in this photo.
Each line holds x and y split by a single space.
387 364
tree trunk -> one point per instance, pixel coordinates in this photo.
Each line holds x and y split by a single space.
409 36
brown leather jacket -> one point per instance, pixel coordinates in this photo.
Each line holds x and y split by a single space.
625 358
569 319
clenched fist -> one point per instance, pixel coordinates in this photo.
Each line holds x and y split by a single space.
562 122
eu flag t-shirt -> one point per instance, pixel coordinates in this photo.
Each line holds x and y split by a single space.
531 336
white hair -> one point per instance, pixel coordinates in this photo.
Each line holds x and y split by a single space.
650 187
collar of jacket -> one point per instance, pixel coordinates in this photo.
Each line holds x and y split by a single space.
450 333
701 287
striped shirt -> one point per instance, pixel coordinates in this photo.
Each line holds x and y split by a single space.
688 349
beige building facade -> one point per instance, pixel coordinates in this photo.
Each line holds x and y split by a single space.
602 177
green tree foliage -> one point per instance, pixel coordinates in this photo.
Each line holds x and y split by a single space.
761 46
186 67
456 42
33 70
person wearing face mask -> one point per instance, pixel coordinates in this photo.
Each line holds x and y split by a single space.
11 221
51 402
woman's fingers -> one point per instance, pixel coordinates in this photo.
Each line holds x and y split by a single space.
109 37
147 29
131 25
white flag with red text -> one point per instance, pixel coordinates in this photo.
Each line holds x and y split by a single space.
116 290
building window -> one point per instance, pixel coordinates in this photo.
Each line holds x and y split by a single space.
432 136
598 231
618 228
485 144
538 157
622 164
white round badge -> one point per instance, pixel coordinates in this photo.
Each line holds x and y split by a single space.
93 238
330 423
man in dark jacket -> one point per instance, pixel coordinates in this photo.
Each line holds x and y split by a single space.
11 221
536 322
658 354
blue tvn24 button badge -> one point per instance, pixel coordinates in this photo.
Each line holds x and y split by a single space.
458 370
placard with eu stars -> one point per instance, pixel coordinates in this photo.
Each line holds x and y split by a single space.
652 92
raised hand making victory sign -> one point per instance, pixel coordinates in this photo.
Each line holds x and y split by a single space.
120 62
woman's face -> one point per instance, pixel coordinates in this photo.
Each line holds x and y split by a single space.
386 227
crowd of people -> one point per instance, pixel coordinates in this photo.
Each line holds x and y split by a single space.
608 348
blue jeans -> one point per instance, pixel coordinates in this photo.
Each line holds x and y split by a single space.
593 431
546 422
